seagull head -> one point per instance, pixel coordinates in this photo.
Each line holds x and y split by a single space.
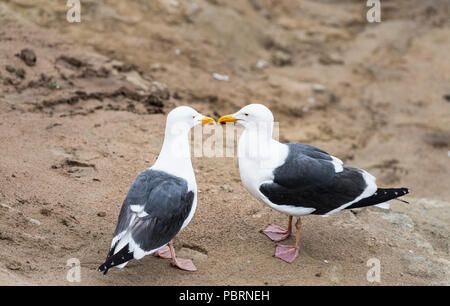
248 115
183 118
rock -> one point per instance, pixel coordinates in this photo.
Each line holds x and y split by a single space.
14 265
28 56
424 245
392 244
356 211
401 220
10 69
336 274
45 212
257 215
227 188
280 58
52 125
159 90
75 62
135 78
261 64
157 67
101 214
331 59
437 139
421 266
220 77
34 221
319 88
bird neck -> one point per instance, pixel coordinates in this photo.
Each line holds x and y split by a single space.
261 130
256 141
175 155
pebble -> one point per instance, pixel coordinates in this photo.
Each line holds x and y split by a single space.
28 56
220 77
281 59
227 187
421 266
101 214
262 64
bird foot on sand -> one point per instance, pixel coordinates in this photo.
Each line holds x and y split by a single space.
276 233
163 252
286 252
184 264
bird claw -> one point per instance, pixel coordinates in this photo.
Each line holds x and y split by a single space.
286 252
276 233
184 264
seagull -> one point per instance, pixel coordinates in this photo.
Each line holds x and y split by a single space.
298 179
161 200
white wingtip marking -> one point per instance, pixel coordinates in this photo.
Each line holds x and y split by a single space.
337 164
137 208
384 205
122 265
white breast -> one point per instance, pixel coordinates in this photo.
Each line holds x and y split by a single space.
257 165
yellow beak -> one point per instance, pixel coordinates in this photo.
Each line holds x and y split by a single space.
227 118
207 120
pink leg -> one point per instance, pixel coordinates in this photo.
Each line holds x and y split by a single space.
164 252
289 252
276 233
181 263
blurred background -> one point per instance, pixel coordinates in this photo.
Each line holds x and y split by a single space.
83 105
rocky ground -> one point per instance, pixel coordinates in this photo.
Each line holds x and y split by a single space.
82 110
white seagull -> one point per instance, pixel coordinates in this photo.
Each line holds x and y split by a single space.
298 179
161 200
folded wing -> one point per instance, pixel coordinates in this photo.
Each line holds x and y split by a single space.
152 214
314 179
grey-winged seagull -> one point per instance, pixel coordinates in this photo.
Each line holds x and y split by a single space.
161 200
298 179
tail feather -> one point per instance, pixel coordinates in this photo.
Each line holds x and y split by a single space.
117 259
380 196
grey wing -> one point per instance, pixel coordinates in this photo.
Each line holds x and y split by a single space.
154 210
308 178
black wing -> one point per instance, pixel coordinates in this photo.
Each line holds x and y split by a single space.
308 179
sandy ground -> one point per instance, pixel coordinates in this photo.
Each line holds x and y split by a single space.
82 110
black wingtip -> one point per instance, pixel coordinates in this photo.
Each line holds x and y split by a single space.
405 191
380 196
103 268
116 259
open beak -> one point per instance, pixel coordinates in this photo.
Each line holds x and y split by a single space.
207 120
227 118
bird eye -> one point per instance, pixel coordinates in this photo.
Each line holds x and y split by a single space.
193 116
246 114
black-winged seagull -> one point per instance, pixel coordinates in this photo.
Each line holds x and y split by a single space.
161 200
298 179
